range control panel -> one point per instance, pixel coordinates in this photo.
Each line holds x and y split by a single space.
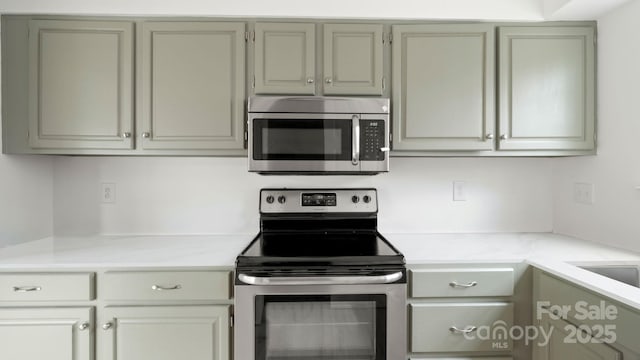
318 200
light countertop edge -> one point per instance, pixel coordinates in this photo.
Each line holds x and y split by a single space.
550 252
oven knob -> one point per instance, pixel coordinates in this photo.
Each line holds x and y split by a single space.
282 199
366 199
355 199
270 199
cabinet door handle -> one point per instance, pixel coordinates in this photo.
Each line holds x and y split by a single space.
163 288
146 135
126 135
328 80
26 288
455 284
503 137
107 326
84 326
310 80
489 136
467 330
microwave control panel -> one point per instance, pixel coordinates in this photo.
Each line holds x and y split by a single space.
372 139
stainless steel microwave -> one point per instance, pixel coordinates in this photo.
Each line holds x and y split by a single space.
318 135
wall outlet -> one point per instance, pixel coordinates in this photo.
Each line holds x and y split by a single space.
583 193
459 191
108 193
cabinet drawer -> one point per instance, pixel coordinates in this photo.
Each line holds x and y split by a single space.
459 282
432 327
46 287
166 285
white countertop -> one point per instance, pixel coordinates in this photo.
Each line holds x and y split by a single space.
126 251
550 252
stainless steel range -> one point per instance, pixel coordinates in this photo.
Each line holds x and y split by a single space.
319 282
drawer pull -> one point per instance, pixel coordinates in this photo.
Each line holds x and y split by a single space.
83 326
467 330
107 326
455 284
26 288
163 288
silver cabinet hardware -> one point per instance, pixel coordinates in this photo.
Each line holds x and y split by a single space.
84 326
26 288
162 288
328 80
455 284
503 137
489 136
146 135
310 80
107 326
467 330
126 135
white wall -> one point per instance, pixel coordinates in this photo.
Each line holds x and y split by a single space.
418 9
26 194
26 198
614 218
218 195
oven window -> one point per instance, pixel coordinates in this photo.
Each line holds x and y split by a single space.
302 139
320 327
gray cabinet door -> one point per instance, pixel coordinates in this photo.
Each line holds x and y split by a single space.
164 333
569 342
284 58
353 59
443 87
547 94
80 84
192 85
46 333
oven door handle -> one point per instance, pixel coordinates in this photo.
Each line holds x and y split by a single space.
320 280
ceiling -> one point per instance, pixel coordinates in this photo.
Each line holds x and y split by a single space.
578 9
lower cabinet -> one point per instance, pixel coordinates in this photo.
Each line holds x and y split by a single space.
565 343
151 314
46 333
462 311
583 323
164 333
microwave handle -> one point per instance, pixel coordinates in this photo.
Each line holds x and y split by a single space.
355 143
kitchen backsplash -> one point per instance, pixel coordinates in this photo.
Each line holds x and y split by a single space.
217 195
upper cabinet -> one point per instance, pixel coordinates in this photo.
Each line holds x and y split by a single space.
284 60
352 59
547 88
107 86
285 57
191 89
80 84
443 87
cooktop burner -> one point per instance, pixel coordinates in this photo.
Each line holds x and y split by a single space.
319 231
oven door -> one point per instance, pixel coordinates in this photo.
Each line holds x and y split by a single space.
320 322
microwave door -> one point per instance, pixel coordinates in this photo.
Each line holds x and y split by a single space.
304 144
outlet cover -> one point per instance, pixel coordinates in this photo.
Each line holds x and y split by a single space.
459 191
108 193
583 193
